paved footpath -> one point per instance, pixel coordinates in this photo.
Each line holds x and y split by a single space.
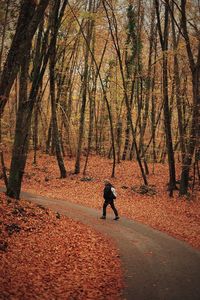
157 266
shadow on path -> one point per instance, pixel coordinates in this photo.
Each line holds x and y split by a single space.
157 266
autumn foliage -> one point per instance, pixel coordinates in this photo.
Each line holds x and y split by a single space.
68 258
47 256
180 217
107 89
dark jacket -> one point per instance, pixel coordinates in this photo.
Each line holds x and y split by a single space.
107 193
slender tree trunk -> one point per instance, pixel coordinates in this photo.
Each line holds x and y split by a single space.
49 137
36 110
194 140
153 111
167 118
90 133
119 140
52 63
35 135
104 95
117 48
149 84
84 93
177 89
131 69
194 133
93 96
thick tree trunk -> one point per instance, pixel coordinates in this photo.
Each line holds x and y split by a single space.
23 121
22 131
4 33
28 21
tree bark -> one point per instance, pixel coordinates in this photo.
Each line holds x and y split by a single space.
177 89
84 92
22 132
194 140
28 21
23 120
167 118
52 62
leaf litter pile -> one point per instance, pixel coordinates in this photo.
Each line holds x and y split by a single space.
149 205
47 256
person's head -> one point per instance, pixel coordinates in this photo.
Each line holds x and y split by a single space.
107 182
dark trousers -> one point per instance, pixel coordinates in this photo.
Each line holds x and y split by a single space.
106 203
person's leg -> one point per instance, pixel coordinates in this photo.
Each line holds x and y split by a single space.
114 208
104 209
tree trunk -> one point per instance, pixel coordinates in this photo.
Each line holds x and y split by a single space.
28 21
22 132
194 139
23 121
167 117
104 94
119 140
194 133
84 93
52 63
115 37
177 89
49 137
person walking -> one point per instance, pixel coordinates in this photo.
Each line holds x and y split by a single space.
109 195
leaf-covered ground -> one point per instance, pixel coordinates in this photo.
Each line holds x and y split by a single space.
47 256
76 256
178 217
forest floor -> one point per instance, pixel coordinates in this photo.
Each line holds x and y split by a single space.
178 217
47 256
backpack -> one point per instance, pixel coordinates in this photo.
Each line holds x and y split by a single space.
114 192
109 192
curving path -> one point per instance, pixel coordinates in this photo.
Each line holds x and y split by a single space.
157 266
